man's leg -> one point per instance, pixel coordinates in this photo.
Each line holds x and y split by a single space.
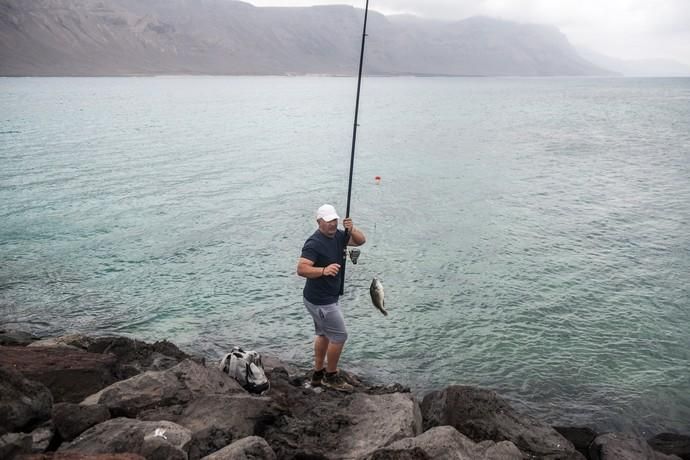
321 347
333 356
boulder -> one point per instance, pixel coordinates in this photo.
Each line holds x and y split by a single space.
42 437
336 425
13 445
73 419
80 456
134 356
153 440
249 448
23 403
175 386
217 420
15 338
624 446
445 442
271 362
672 444
70 374
580 437
71 341
482 415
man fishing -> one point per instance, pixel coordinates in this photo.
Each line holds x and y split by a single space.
320 264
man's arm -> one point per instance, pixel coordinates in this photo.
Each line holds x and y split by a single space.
306 268
357 237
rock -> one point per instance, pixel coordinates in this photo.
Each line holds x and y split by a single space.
217 420
80 456
12 445
249 448
73 419
121 435
624 446
580 437
132 356
481 415
175 386
135 356
41 437
672 444
71 375
71 341
445 442
336 425
23 403
387 389
157 448
15 338
271 362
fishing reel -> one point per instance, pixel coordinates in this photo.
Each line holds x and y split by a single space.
354 255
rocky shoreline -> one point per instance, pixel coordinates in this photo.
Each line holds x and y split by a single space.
82 397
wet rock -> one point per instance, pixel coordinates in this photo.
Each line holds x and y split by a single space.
71 341
23 403
481 415
447 443
134 356
73 419
70 374
624 446
120 435
580 437
249 448
15 338
387 389
175 386
672 444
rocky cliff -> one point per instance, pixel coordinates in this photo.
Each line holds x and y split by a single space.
228 37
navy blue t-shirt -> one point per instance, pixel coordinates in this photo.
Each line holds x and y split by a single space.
324 251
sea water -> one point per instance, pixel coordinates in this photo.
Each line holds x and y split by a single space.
532 235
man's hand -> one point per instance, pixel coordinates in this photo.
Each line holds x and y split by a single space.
357 238
331 270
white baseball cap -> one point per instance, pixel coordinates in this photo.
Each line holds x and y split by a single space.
327 213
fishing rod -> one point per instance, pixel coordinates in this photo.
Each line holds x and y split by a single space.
354 139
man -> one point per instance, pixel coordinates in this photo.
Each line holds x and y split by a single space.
319 263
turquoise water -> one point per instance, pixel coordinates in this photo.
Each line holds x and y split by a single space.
531 234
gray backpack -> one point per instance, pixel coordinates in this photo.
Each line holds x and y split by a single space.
247 369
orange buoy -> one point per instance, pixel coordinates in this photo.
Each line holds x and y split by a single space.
377 179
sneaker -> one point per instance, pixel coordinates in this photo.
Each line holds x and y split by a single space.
317 377
335 381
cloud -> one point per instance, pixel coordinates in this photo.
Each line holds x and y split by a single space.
631 29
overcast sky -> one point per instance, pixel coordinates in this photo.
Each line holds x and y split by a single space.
629 29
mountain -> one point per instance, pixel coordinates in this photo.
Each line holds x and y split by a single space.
144 37
637 67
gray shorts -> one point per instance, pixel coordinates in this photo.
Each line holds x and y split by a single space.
328 321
